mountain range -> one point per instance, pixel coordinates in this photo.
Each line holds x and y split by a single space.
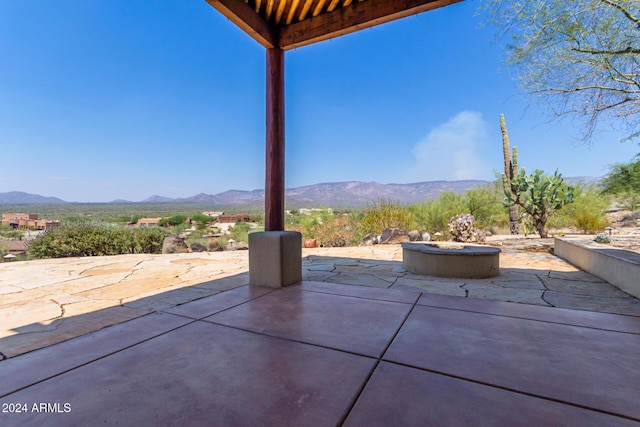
337 194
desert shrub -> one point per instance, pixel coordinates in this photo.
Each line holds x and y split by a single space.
340 231
173 220
95 240
434 215
240 232
586 213
148 240
386 214
308 224
485 204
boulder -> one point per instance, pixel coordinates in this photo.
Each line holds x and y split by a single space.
426 237
236 246
415 236
214 245
174 245
370 239
197 247
394 236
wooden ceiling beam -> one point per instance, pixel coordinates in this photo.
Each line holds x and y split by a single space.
248 20
357 16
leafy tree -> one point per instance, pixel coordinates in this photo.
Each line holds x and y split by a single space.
202 218
540 196
623 178
580 57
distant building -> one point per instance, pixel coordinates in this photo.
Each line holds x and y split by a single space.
304 211
213 214
234 218
17 247
148 222
24 221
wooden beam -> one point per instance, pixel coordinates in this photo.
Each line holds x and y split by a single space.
274 180
357 16
248 20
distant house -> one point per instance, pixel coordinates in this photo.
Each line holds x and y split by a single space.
148 222
213 214
304 211
234 218
24 221
17 247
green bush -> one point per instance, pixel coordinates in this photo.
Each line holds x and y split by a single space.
95 240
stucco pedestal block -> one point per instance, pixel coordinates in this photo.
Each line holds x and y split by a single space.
275 258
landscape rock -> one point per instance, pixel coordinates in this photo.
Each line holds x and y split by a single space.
174 245
236 246
394 236
415 236
426 237
197 247
370 239
214 245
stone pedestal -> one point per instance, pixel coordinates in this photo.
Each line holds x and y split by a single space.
275 258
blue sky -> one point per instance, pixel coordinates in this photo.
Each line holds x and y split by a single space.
107 99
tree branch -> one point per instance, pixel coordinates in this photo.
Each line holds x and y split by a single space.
629 49
623 10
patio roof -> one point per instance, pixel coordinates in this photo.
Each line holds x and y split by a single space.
288 24
280 25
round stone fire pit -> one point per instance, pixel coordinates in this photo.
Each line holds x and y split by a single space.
451 260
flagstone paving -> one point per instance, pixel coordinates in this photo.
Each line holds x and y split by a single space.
48 301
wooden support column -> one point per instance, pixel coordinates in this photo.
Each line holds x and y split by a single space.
274 182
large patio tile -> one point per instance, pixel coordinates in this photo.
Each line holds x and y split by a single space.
204 375
41 334
207 306
358 325
47 362
404 397
590 319
409 297
584 366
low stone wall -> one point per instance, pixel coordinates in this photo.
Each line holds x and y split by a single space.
619 267
451 260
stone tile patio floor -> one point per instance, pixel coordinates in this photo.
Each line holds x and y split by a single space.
317 353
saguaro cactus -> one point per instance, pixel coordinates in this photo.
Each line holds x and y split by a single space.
510 171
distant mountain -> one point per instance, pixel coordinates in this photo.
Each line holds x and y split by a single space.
586 181
158 199
350 194
336 194
22 198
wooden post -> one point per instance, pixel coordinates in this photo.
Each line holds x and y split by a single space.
274 182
